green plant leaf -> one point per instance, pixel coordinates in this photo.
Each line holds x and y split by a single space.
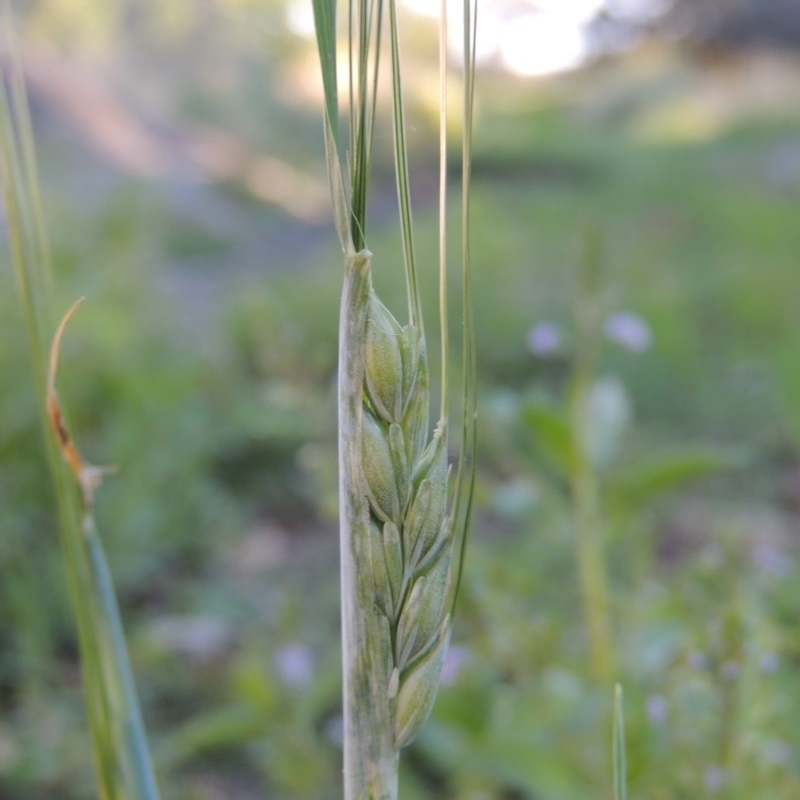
325 24
466 472
551 432
620 756
122 752
121 755
645 481
401 172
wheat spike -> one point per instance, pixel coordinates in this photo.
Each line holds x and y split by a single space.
404 479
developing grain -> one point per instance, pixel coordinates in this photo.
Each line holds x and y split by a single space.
404 480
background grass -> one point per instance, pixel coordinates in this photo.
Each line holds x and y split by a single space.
203 364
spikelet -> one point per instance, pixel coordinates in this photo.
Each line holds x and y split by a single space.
404 479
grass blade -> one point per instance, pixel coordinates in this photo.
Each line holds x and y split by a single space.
122 761
325 26
620 758
120 734
366 18
401 173
465 473
444 325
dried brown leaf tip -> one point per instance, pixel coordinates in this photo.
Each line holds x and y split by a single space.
88 476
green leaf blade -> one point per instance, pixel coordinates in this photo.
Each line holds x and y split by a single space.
121 756
620 756
325 25
646 481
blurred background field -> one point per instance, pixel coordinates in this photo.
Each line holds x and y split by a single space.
183 182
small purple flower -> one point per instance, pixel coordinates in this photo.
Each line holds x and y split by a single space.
657 709
628 330
771 559
769 663
454 662
715 779
545 339
294 665
731 670
696 660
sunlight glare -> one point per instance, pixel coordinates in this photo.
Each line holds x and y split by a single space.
542 44
547 39
579 11
638 10
300 18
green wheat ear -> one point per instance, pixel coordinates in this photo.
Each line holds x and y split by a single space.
403 521
405 481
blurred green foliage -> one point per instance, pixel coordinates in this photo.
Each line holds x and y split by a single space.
203 365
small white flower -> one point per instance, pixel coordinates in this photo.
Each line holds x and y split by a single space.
777 752
608 413
545 339
628 330
294 665
334 730
196 637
